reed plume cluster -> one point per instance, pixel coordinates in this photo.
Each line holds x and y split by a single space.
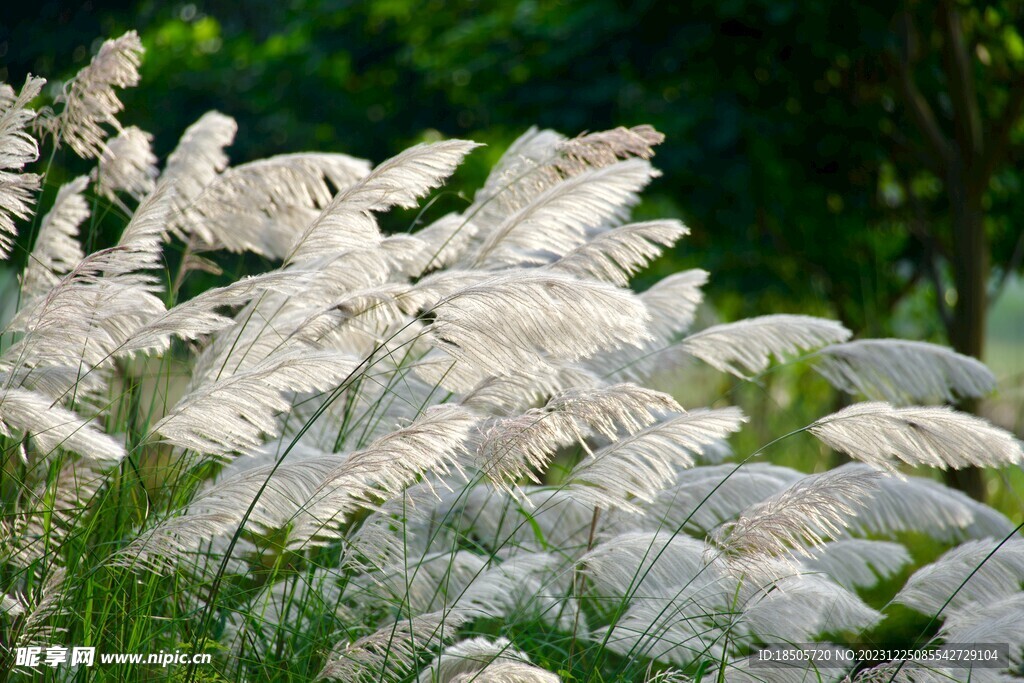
432 456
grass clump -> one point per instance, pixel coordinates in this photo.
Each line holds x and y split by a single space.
432 456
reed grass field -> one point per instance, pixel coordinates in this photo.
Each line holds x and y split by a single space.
470 451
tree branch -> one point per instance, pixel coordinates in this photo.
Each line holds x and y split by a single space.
957 59
997 143
920 111
918 228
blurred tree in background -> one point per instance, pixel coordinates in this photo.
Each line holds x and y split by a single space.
855 159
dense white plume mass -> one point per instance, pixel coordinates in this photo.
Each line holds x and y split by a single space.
431 456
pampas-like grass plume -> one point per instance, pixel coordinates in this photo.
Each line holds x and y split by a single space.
881 435
263 205
557 220
905 504
194 165
640 465
86 317
541 159
236 413
705 497
745 348
904 372
127 164
391 651
522 445
40 625
801 608
57 500
309 495
479 659
976 573
673 301
17 148
604 147
89 98
51 427
858 563
996 623
540 316
11 605
347 223
646 563
507 672
618 254
198 316
910 671
57 251
798 518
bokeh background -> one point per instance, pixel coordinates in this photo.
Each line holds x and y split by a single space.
856 160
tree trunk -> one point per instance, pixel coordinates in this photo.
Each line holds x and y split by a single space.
970 275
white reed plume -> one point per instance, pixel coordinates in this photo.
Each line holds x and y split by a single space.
745 348
445 240
996 623
127 164
673 301
539 160
479 659
635 468
558 220
802 608
687 622
904 372
309 494
522 445
57 250
704 497
642 565
347 222
12 605
53 506
262 206
800 517
234 413
89 98
17 148
198 316
194 164
91 312
902 504
750 669
857 563
390 652
43 616
605 147
618 254
881 435
52 427
982 572
515 321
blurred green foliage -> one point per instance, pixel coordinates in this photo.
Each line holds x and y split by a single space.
788 151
